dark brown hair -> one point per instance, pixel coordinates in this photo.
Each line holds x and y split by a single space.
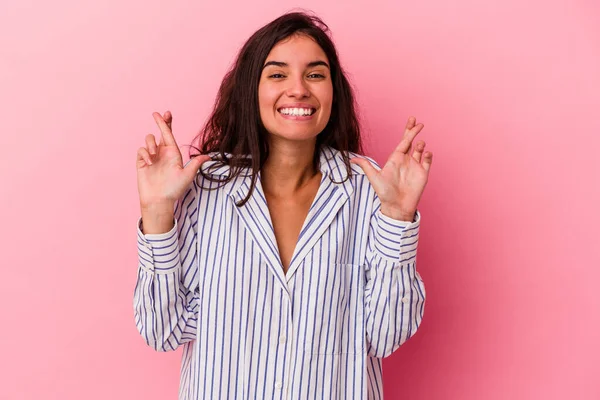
235 126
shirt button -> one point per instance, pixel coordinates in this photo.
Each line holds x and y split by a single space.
405 300
282 339
278 385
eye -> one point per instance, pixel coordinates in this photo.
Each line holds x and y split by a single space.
275 76
318 75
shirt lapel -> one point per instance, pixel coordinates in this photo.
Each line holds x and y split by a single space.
333 193
257 219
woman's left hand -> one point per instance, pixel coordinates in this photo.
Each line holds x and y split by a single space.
401 181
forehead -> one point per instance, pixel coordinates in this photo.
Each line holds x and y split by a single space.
297 49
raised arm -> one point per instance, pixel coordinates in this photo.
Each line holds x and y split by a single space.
394 292
165 296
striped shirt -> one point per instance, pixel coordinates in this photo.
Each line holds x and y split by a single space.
215 285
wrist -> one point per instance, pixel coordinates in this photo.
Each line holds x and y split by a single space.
158 207
157 218
398 214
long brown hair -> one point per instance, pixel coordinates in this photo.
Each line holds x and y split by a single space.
235 126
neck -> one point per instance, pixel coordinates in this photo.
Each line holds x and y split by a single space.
288 168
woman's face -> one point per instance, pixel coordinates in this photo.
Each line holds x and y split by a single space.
295 91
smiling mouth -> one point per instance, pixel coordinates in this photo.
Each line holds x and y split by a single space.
297 112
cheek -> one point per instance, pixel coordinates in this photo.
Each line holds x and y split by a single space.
266 97
326 96
326 108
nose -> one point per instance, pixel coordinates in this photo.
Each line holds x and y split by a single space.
297 87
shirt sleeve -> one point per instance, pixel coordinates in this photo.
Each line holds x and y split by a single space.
165 297
394 290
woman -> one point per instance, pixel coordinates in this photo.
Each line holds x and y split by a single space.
280 259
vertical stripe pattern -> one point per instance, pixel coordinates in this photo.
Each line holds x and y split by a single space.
214 285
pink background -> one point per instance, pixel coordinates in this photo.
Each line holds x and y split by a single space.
509 92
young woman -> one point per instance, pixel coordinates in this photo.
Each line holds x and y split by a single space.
282 260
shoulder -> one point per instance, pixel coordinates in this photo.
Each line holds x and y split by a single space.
335 160
216 178
357 185
218 167
208 176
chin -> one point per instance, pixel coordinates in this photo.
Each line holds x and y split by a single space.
298 136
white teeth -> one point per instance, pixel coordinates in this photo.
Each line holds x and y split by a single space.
296 111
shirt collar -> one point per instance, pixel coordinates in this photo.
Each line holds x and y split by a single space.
331 165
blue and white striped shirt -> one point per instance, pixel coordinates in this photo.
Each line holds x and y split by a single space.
215 285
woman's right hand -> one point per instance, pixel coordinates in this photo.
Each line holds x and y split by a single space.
161 177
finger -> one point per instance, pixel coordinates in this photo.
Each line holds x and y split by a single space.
151 144
167 136
406 142
366 166
427 160
168 117
409 135
410 123
143 155
418 151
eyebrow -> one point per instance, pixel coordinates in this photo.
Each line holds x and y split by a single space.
283 64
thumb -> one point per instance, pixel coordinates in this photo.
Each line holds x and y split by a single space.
192 167
366 166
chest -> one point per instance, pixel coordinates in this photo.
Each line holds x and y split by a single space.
279 237
288 215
